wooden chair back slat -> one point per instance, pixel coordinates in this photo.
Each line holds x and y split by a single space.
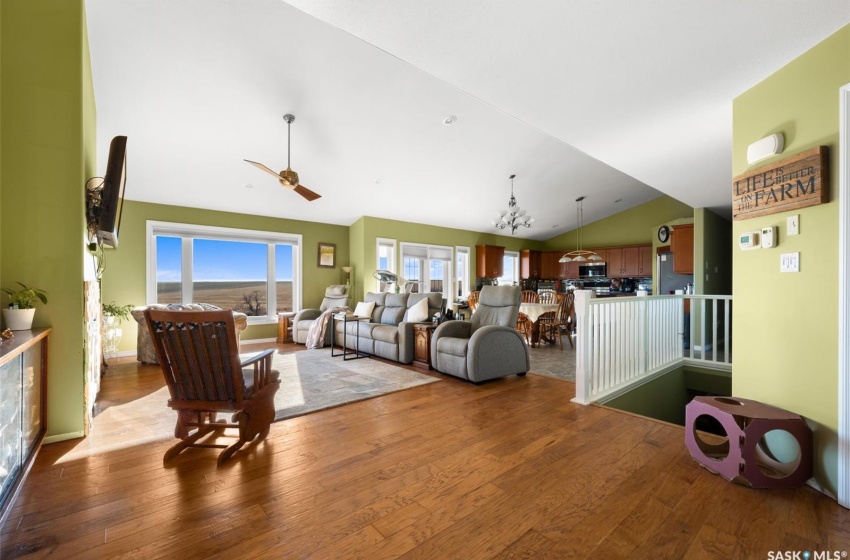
198 354
530 296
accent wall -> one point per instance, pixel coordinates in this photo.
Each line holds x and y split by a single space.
46 105
125 274
629 227
785 324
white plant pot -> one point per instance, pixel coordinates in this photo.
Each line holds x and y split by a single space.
18 319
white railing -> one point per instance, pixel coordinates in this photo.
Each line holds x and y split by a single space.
624 341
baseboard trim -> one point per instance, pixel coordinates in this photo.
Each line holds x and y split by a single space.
258 340
56 438
124 354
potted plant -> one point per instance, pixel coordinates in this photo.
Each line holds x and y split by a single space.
113 314
21 310
116 311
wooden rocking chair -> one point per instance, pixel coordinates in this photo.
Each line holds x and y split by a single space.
199 356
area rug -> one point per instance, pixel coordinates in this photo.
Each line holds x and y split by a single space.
312 380
550 360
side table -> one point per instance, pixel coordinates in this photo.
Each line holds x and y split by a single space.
422 345
284 327
345 318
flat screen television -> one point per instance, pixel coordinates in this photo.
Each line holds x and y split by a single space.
112 194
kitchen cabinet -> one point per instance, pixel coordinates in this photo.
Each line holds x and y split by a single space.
529 264
489 261
631 262
682 247
549 267
645 259
614 260
23 422
568 270
628 261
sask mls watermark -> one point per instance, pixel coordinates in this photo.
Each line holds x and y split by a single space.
806 555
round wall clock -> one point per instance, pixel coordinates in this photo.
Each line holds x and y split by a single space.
663 234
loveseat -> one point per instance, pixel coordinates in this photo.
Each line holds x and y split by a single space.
388 333
145 352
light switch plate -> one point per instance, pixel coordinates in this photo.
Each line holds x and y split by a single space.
789 262
794 224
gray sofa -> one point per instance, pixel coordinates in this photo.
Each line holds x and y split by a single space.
486 347
387 334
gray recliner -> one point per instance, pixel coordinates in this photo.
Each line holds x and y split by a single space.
335 296
486 347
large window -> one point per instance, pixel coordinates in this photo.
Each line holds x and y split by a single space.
462 281
254 272
385 252
510 274
428 268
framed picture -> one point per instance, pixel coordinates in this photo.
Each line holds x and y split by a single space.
327 255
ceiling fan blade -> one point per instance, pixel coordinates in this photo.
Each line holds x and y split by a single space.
306 193
264 168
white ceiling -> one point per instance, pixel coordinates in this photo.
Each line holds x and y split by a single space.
610 100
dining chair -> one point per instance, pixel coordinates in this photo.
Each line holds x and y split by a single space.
561 322
530 296
547 297
472 300
523 323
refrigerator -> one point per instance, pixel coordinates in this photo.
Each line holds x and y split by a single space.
668 281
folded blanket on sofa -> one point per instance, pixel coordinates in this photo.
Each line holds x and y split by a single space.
316 334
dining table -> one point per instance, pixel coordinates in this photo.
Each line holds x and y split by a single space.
535 311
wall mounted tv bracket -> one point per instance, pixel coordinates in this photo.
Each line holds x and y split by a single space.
94 188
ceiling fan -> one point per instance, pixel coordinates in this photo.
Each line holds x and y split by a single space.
288 178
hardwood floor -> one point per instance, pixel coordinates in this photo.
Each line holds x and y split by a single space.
508 469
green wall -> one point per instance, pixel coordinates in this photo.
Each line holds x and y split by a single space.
125 274
785 324
712 253
369 229
46 105
630 227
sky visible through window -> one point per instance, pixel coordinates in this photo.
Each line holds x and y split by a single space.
215 260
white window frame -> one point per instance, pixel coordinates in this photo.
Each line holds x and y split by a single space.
515 256
188 232
464 288
385 242
426 270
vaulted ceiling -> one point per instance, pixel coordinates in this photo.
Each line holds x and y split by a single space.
618 101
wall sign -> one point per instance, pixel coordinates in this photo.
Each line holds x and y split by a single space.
795 182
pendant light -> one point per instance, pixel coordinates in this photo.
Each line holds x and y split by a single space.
579 255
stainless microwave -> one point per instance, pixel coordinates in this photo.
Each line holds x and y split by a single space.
592 270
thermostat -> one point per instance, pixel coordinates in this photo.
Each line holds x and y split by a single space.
768 237
749 241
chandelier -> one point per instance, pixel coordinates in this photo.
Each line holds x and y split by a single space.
514 217
579 255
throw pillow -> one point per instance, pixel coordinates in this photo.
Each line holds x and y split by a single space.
336 290
419 312
364 309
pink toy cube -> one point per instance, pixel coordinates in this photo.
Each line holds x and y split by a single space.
741 457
